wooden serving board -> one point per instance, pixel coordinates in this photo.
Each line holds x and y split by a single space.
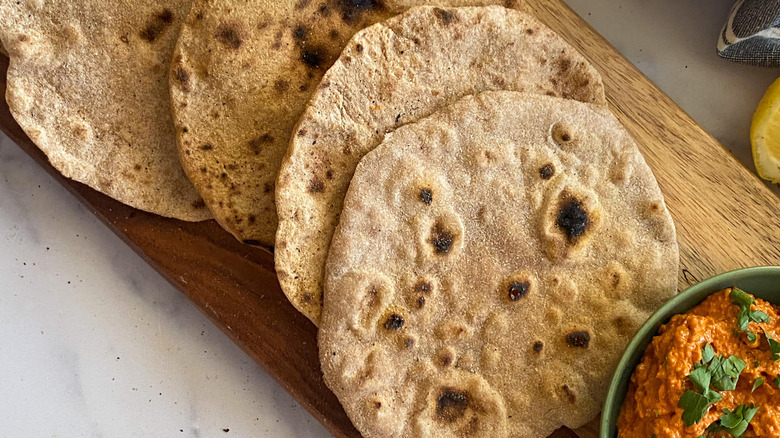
726 219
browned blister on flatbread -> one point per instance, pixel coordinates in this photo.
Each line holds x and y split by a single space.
489 269
391 74
87 81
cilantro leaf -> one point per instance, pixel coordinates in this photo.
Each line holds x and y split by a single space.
696 405
744 301
757 383
726 374
758 316
743 319
741 298
707 354
733 422
736 422
700 378
777 382
774 346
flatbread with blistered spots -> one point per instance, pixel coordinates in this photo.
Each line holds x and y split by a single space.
87 81
491 264
242 75
391 74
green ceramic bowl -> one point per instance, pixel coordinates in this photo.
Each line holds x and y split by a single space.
763 282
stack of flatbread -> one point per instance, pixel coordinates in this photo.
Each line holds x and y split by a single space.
450 199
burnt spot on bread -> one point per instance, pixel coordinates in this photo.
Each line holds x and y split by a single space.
394 322
229 35
441 238
299 33
199 204
207 147
518 289
352 10
334 34
579 339
446 358
563 64
313 57
547 171
451 404
157 25
277 44
446 17
256 144
268 187
316 185
572 218
538 346
281 86
529 31
182 76
420 291
359 48
409 343
517 286
562 135
426 196
423 286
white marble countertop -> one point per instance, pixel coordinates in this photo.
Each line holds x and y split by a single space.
94 343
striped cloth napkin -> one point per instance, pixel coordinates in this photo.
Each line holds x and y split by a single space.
752 33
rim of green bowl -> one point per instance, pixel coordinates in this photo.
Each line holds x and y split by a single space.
681 303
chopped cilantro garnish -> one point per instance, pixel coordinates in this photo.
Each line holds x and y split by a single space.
746 316
718 371
700 377
707 354
695 405
757 383
733 422
725 372
777 382
740 298
774 346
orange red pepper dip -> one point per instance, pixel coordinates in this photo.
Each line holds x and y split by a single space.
652 405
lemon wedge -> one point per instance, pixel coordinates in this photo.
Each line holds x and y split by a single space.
765 134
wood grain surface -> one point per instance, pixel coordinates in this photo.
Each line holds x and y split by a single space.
726 219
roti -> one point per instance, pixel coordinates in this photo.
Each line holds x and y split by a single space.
87 82
491 264
391 74
242 76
